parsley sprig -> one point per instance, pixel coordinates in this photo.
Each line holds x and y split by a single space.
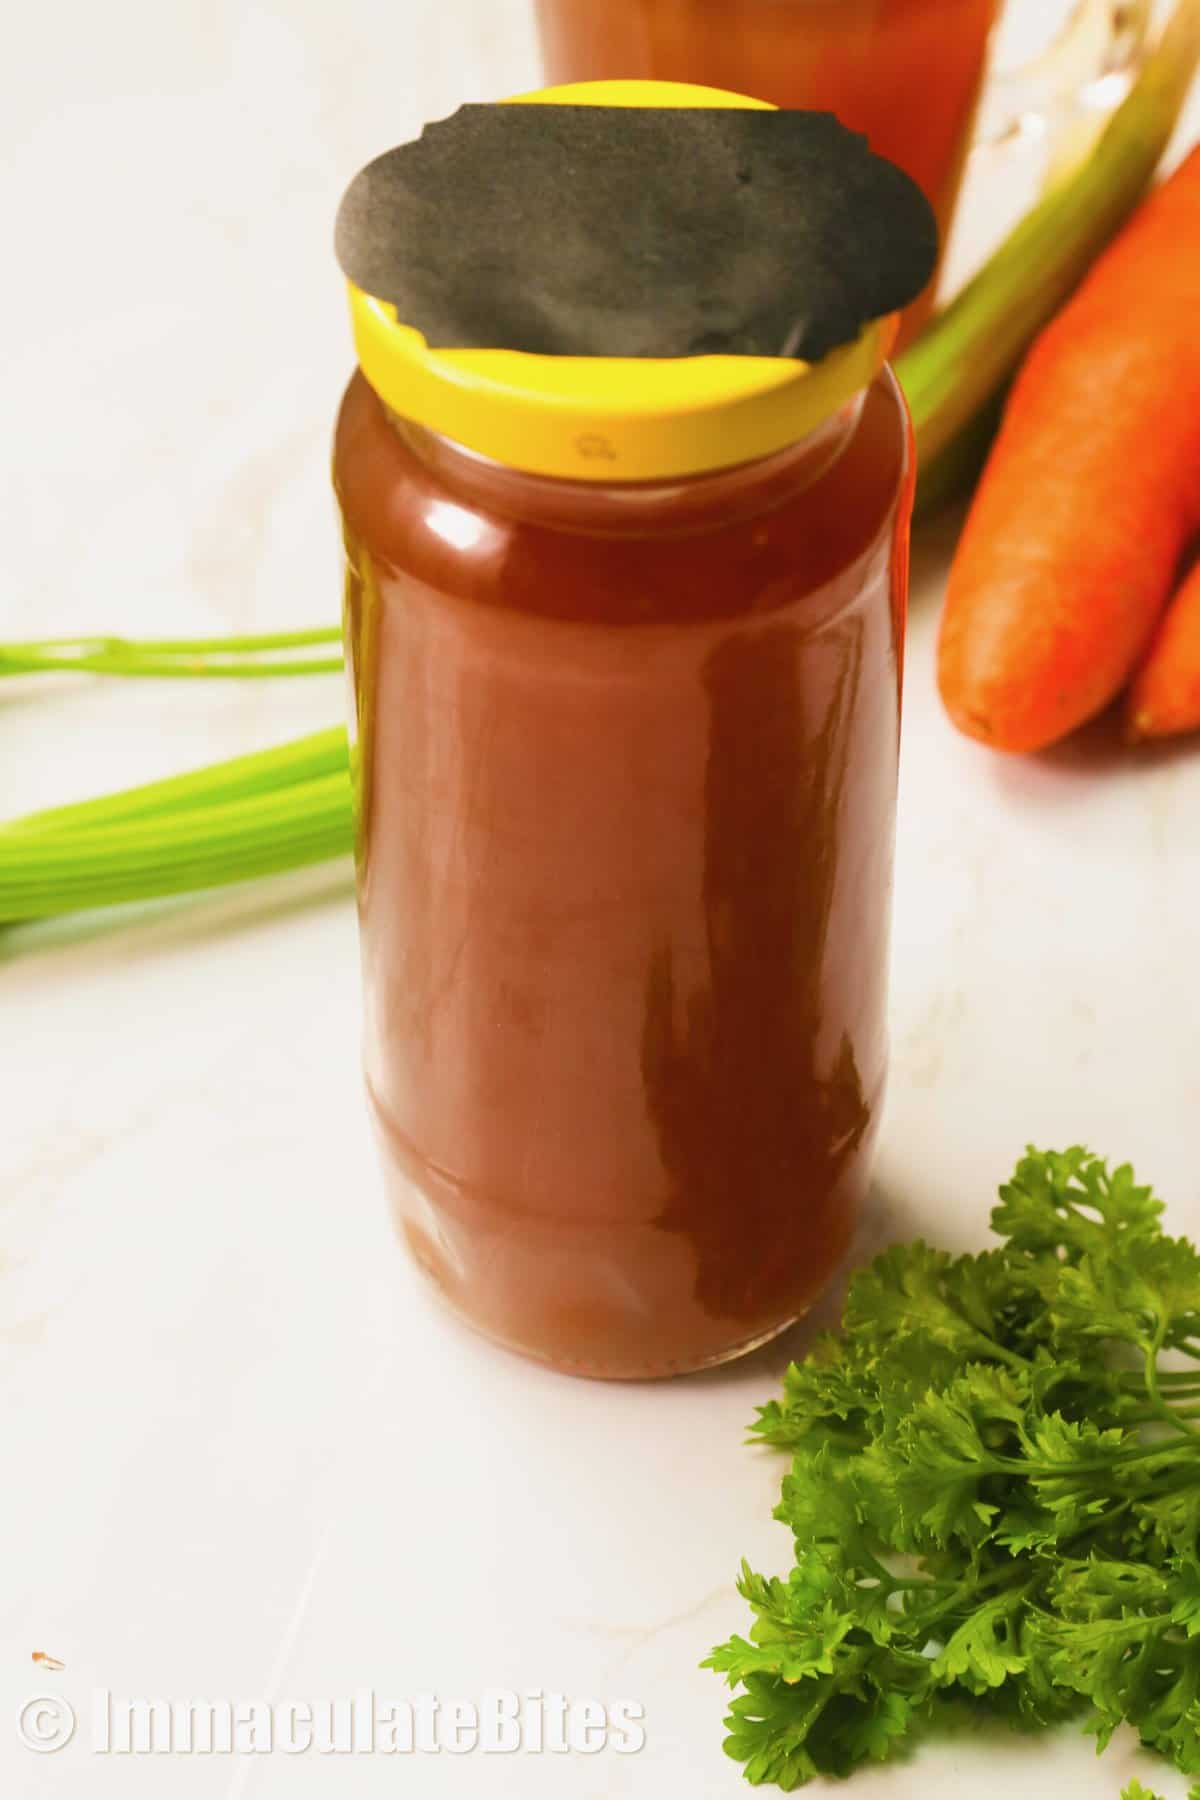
994 1492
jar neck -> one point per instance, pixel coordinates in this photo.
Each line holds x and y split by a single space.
678 503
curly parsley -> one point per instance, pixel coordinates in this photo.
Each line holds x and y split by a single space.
994 1493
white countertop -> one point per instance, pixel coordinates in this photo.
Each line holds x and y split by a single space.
245 1456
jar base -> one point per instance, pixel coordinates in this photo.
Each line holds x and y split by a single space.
616 1299
588 1370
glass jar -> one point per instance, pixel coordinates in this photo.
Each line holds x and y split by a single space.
625 757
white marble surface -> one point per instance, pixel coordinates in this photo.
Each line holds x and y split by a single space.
243 1454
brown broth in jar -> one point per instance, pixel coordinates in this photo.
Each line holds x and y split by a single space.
625 768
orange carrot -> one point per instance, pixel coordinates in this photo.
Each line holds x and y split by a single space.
1164 696
1091 494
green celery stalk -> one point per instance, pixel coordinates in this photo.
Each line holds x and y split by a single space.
270 771
216 658
43 873
971 349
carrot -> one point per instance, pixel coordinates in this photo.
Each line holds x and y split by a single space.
1091 495
1164 696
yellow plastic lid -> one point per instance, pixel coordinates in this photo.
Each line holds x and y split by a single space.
611 418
